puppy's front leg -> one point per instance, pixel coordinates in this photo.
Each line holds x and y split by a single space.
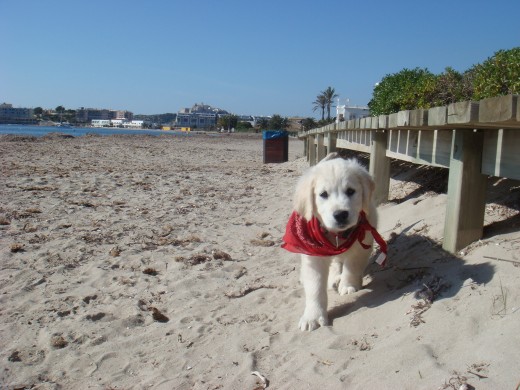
314 274
353 269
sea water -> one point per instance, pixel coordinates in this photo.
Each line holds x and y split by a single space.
39 131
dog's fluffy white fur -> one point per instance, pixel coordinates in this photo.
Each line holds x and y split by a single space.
335 191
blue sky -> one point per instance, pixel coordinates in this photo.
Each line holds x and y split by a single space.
248 57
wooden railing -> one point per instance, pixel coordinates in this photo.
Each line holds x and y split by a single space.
472 139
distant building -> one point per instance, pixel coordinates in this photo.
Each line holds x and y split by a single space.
134 124
10 114
346 112
199 116
123 114
86 115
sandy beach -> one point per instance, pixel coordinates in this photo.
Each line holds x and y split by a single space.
143 262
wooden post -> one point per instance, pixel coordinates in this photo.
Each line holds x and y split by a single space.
320 147
312 150
380 165
306 147
331 142
465 208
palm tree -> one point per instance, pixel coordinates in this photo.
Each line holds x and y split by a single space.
329 95
319 104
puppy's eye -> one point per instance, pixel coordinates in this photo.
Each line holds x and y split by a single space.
324 195
350 191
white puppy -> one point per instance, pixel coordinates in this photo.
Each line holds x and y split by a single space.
333 208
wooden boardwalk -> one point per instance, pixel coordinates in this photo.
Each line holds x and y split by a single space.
472 139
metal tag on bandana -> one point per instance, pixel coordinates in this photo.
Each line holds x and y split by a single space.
381 259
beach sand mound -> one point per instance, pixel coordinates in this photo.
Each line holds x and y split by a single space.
154 262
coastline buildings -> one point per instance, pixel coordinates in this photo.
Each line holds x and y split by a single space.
87 115
205 116
10 114
199 116
121 123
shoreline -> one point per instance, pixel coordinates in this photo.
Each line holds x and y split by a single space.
39 131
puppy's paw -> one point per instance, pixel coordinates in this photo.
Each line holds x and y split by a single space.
344 289
311 322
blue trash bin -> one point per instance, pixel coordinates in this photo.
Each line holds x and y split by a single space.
276 146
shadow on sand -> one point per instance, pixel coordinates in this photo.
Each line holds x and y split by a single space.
415 261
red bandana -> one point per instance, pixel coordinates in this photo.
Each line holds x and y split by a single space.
308 238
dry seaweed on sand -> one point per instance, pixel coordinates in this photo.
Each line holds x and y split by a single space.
221 255
195 259
115 251
16 247
429 293
157 315
150 271
432 289
457 382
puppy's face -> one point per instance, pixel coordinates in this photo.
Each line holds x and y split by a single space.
338 195
334 191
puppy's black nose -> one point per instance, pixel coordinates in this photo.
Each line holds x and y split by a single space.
341 216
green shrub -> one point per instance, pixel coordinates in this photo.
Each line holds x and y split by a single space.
401 91
419 88
498 75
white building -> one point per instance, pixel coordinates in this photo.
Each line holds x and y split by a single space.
117 123
100 122
134 124
346 112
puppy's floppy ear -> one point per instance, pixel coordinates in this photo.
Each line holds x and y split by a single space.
304 195
368 188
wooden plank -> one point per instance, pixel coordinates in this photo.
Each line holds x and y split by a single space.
412 143
375 123
383 121
414 160
392 120
403 118
392 140
500 156
442 148
380 165
500 110
426 144
418 118
312 151
341 126
402 138
463 113
331 142
438 116
466 191
320 148
345 144
420 147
